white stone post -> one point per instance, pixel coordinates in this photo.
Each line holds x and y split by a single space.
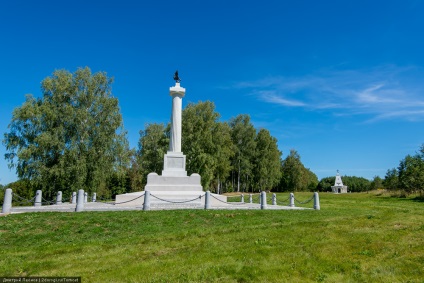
242 198
291 200
85 197
250 198
207 200
74 198
263 200
93 199
38 195
177 92
59 197
80 201
274 199
316 201
7 202
146 205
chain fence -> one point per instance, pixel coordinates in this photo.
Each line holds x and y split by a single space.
170 201
232 203
304 202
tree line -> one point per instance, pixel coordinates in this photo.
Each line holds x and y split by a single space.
408 177
73 137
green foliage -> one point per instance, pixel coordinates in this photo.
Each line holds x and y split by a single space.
376 183
72 137
356 184
206 142
152 146
2 190
243 135
391 180
295 177
325 184
353 238
268 161
409 176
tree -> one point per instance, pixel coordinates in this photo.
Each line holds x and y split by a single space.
391 180
206 143
356 184
243 135
376 183
411 174
295 177
71 137
268 161
325 184
224 152
152 146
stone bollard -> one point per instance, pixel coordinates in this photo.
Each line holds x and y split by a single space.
80 201
85 197
38 195
316 201
74 198
263 200
146 205
207 200
291 200
242 198
93 199
59 197
250 198
274 199
7 202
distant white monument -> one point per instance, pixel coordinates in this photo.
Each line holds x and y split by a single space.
173 186
338 187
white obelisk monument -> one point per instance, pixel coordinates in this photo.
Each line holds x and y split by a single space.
175 160
173 185
174 175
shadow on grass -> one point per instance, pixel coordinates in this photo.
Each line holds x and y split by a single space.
419 198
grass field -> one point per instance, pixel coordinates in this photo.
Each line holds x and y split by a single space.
353 238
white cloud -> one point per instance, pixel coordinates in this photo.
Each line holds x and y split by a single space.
270 96
386 92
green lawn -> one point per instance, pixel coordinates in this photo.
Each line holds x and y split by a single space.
353 238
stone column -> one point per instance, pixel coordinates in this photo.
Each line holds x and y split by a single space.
177 92
263 200
207 200
316 201
291 200
59 197
146 204
38 195
80 201
7 203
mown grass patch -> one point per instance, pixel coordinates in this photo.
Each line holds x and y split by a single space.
353 238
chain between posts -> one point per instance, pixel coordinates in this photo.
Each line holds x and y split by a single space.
283 201
235 203
115 203
46 201
185 201
24 199
304 202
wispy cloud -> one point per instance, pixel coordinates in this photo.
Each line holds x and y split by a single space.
386 92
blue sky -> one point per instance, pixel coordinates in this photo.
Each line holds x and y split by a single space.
339 81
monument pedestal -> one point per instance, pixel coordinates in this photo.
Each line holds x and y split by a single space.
174 165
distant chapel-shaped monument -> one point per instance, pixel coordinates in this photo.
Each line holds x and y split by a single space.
338 187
